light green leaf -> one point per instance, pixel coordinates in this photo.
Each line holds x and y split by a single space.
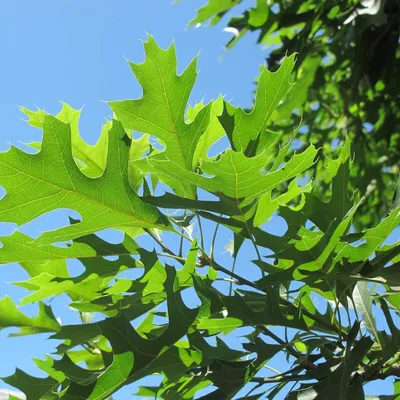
272 88
90 159
45 285
268 205
161 110
21 248
372 238
211 8
10 316
212 134
234 174
138 149
59 183
259 14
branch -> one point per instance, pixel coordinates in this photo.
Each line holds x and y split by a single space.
165 248
278 379
206 260
393 370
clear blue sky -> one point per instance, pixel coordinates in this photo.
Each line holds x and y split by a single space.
74 51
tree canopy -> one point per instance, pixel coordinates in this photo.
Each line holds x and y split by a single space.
323 296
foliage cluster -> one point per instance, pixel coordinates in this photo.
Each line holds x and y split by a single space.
165 183
347 73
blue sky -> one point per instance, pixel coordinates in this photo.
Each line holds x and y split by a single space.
73 51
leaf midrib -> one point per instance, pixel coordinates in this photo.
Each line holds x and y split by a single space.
174 127
78 193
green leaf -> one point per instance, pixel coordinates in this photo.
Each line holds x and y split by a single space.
267 205
211 8
239 313
161 110
90 159
34 388
143 327
234 174
232 376
363 300
21 248
212 134
93 360
137 150
75 335
10 316
132 354
169 200
259 14
372 238
59 183
272 88
45 286
337 383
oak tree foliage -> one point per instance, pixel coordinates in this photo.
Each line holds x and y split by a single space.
163 183
347 74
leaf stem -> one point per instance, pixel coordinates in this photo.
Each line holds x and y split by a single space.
178 258
181 241
277 339
165 248
232 271
214 237
200 230
278 379
219 267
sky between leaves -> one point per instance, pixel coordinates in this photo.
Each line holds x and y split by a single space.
74 52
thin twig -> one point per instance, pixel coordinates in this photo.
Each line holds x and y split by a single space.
219 267
272 369
277 339
178 258
394 371
214 237
180 253
200 230
164 248
232 271
278 379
